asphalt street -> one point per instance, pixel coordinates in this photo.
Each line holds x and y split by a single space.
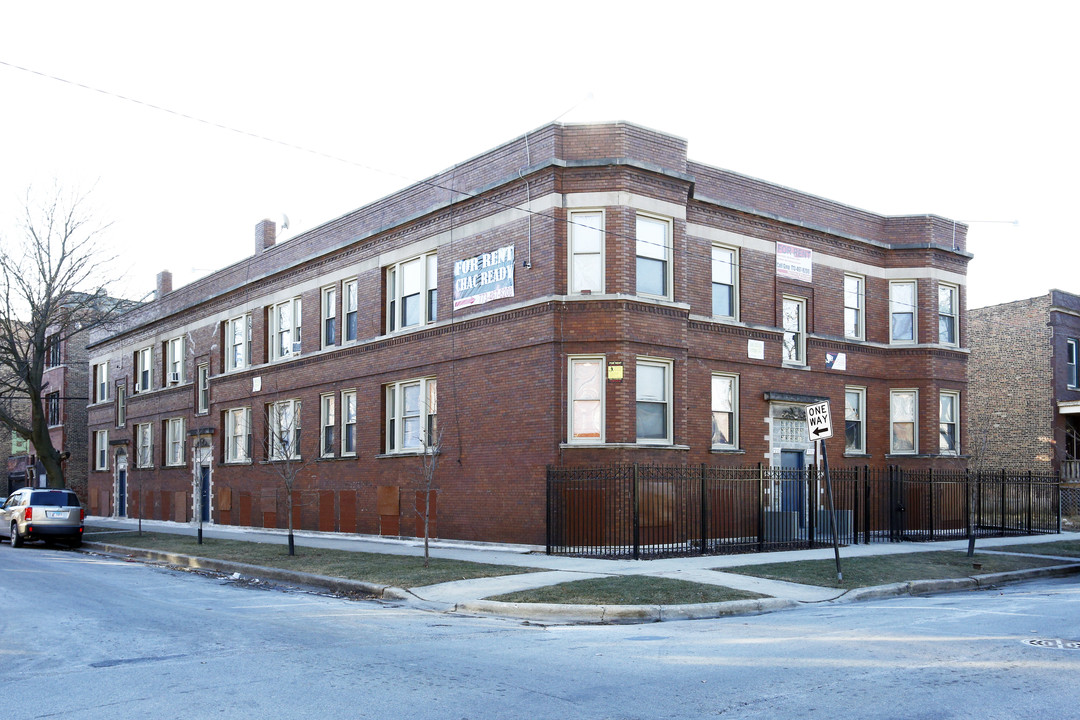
87 636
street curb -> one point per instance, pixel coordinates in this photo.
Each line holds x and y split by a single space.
623 614
591 614
341 585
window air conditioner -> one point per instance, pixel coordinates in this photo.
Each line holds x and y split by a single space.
174 377
296 348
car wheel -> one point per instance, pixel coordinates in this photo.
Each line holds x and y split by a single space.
16 538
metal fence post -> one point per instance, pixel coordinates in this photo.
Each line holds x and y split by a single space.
1004 478
761 507
1030 502
636 525
548 510
704 511
866 499
930 484
810 483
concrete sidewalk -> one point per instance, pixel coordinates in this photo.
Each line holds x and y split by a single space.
468 595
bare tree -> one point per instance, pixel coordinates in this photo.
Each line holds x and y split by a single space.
51 286
431 445
283 457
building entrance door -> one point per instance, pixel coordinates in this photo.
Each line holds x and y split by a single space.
204 493
121 492
793 483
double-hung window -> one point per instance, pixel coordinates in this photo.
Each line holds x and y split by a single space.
52 351
586 252
725 265
329 314
101 382
855 420
283 428
349 304
902 296
238 435
238 342
411 412
653 257
653 401
854 300
327 420
202 389
174 363
586 399
948 309
101 450
174 441
285 329
121 405
144 445
794 320
948 423
725 411
412 292
1071 377
144 369
903 412
348 422
52 401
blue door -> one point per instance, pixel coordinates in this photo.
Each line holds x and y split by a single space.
204 493
121 492
793 483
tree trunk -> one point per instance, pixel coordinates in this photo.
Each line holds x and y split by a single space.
288 509
46 453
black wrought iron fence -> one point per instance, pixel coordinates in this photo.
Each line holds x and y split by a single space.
656 511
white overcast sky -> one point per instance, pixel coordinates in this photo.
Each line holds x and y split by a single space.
966 110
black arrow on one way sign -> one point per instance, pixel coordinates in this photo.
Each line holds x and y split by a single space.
819 431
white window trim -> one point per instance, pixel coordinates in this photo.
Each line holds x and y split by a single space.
328 311
861 391
915 422
144 455
327 419
801 301
101 382
668 366
734 250
956 421
245 344
860 333
144 364
395 426
571 254
101 450
202 381
295 307
914 312
669 252
347 395
347 287
955 290
238 452
274 453
1074 381
394 299
121 405
571 439
733 443
171 441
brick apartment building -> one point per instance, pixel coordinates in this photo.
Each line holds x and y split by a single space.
1025 406
584 294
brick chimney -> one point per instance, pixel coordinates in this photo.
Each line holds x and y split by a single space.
164 284
265 235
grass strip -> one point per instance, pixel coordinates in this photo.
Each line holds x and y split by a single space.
403 571
628 590
1066 548
886 569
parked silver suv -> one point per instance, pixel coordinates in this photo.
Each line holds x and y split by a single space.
42 514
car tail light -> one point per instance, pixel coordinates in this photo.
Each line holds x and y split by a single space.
29 514
82 514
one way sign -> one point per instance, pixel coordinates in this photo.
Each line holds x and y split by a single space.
819 421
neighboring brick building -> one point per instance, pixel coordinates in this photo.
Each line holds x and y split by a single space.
1025 396
585 295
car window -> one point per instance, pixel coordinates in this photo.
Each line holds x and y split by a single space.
55 498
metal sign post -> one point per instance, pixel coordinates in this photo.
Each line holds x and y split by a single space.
819 426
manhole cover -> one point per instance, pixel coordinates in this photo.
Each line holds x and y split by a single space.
1053 643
